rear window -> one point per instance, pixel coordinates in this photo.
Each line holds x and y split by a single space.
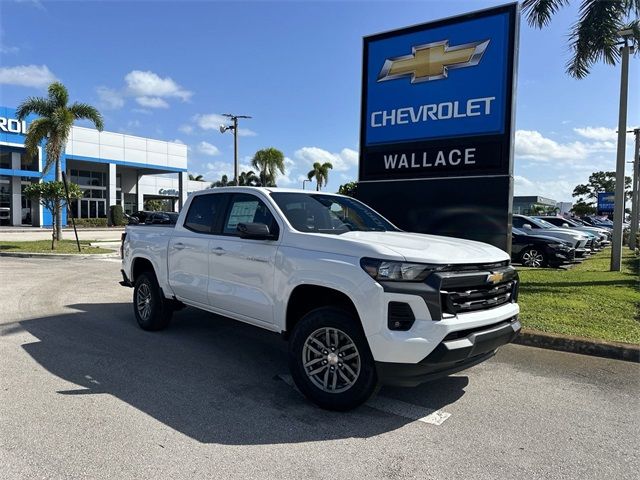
203 213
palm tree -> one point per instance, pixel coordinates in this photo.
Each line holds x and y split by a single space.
197 178
223 182
248 179
55 120
268 161
594 37
321 173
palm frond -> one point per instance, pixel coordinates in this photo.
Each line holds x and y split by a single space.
58 94
594 36
38 105
84 111
38 131
539 12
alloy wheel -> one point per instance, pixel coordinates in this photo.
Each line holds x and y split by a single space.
331 360
143 301
532 258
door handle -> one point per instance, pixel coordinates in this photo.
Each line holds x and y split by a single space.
179 246
218 251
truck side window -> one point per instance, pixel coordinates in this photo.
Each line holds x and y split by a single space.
247 208
203 212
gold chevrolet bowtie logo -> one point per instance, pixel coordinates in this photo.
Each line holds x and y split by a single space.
495 277
432 61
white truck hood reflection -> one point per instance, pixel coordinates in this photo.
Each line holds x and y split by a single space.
418 247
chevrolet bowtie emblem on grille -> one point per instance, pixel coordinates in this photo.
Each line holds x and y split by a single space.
495 277
432 61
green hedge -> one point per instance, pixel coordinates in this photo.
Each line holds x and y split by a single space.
116 215
89 222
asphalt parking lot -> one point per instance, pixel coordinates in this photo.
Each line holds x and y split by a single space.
84 393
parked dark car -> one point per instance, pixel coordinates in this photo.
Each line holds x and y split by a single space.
153 218
540 251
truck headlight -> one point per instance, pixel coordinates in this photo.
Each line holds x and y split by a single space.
385 270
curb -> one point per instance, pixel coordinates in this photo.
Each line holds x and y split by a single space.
597 348
59 255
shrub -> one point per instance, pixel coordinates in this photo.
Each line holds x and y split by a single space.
90 222
116 215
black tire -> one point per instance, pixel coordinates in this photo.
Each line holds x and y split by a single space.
534 257
356 378
151 309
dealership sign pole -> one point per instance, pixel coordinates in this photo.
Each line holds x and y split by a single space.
437 117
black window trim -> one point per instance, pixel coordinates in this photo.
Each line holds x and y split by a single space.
227 211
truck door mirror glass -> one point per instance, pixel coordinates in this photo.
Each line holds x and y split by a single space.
565 225
527 226
255 231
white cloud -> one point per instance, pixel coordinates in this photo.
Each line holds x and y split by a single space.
110 99
152 102
208 149
345 160
210 121
557 189
8 49
150 84
188 129
246 132
597 133
533 146
177 140
37 76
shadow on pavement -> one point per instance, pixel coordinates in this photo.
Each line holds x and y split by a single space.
208 377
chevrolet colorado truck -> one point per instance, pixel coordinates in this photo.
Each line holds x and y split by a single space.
361 302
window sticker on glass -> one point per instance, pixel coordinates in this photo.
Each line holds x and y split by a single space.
241 212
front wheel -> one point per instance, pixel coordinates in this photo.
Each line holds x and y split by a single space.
330 360
532 257
151 309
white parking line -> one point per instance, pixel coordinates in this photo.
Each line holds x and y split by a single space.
396 407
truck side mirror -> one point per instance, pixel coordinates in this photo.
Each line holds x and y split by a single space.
565 225
527 226
255 231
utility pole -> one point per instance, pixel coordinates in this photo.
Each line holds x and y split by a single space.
234 127
635 192
618 208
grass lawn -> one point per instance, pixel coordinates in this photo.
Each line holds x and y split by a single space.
44 246
585 301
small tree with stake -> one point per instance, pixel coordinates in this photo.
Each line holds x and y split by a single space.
50 195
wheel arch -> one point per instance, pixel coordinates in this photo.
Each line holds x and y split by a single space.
307 297
140 265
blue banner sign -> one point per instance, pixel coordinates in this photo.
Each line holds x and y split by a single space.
606 202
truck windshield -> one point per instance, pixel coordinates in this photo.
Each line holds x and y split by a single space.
330 214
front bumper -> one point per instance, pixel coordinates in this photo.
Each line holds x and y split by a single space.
458 351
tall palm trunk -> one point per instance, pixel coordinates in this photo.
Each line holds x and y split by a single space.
58 207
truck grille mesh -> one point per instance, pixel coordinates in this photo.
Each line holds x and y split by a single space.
461 300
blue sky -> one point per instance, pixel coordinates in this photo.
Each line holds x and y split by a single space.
165 69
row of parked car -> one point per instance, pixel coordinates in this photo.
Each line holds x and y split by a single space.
553 241
144 217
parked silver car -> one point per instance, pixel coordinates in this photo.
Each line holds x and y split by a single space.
543 228
603 235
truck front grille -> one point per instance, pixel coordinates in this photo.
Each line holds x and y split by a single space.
461 300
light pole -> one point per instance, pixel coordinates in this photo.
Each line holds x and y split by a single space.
635 187
618 208
234 127
303 182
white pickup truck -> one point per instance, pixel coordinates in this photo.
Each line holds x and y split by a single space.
361 302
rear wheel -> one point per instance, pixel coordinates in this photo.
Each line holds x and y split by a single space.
330 360
532 257
151 309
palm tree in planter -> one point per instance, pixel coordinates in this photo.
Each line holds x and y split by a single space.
321 174
196 178
54 122
268 161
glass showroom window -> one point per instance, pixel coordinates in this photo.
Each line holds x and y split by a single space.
93 203
5 158
5 200
29 162
27 212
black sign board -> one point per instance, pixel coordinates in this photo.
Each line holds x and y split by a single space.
438 108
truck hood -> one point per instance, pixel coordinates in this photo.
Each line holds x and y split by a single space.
418 247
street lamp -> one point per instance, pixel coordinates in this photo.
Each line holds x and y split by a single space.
234 127
303 182
618 208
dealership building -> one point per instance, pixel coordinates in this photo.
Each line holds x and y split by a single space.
111 168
